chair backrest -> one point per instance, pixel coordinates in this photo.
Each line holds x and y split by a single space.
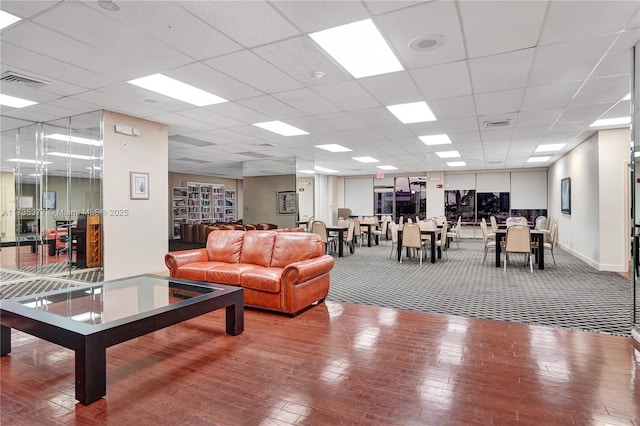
554 235
343 223
385 226
518 239
485 233
320 228
350 229
494 223
394 232
357 231
409 220
458 226
541 223
516 220
411 236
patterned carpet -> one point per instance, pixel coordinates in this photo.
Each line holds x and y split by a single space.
573 295
22 283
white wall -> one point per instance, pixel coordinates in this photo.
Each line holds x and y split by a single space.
136 243
435 208
613 161
594 231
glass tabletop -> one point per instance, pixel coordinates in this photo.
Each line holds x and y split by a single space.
113 300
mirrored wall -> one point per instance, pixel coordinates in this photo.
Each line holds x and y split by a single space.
52 197
635 184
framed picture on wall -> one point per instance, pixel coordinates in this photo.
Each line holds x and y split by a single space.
565 195
49 200
286 202
139 186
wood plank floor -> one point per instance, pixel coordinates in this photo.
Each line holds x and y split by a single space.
336 364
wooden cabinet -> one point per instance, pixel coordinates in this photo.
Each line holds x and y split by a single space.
94 241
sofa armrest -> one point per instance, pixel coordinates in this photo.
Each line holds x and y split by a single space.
299 272
175 259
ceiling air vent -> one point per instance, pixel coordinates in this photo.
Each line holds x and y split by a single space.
499 123
15 78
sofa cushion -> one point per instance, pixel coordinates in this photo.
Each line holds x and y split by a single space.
225 245
266 279
228 273
257 247
292 247
196 270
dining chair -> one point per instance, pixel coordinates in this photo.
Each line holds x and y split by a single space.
488 243
494 223
454 232
411 239
551 244
310 224
348 238
540 223
357 231
394 236
320 228
518 240
441 242
427 225
516 220
490 235
382 231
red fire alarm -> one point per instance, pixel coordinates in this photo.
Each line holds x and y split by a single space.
439 186
301 189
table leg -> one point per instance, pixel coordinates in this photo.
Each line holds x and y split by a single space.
498 250
540 250
340 244
5 340
91 372
369 236
235 318
433 247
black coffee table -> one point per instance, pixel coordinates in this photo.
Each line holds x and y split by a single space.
89 319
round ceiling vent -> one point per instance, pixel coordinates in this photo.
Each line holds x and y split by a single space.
427 42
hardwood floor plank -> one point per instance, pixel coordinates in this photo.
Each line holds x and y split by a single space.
336 364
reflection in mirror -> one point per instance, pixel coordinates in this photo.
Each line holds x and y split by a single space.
635 195
305 176
57 174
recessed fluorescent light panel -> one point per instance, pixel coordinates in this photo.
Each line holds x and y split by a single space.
76 156
359 48
27 161
333 147
74 139
325 170
436 139
167 86
281 128
414 112
366 159
448 154
611 121
538 159
7 19
456 164
550 147
626 97
387 167
14 102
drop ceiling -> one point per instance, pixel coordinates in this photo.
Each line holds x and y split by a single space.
547 69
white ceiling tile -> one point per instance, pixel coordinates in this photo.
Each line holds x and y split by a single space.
618 59
81 22
536 132
238 112
211 80
378 7
209 117
27 9
492 27
568 20
116 103
311 16
299 58
502 102
460 125
551 96
421 20
376 117
449 108
544 117
348 95
250 23
501 72
393 88
182 121
307 101
254 71
583 113
443 81
605 89
570 61
270 106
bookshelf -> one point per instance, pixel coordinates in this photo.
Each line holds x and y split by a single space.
229 206
195 203
179 209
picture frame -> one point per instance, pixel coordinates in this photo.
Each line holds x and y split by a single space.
139 186
49 199
286 202
25 202
565 195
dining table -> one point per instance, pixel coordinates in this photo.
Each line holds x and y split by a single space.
370 226
340 230
536 235
433 233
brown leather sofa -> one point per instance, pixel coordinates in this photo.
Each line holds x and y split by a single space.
280 271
